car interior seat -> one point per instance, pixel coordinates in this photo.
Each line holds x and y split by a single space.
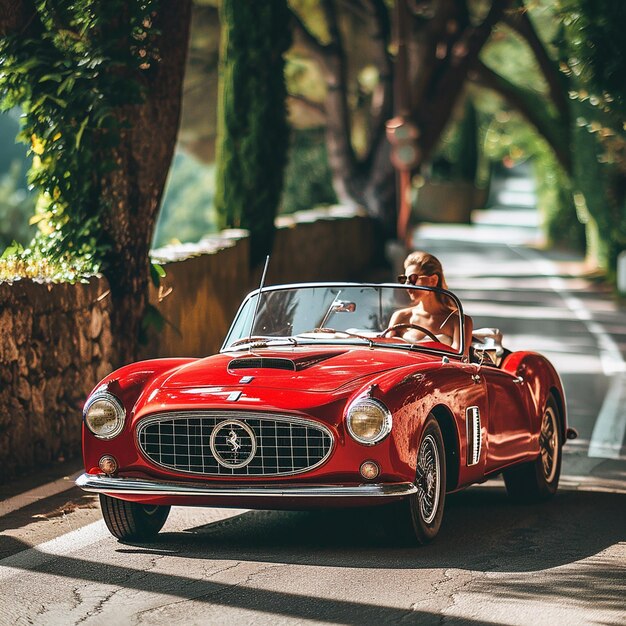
487 346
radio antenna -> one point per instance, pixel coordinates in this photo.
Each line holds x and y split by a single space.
258 300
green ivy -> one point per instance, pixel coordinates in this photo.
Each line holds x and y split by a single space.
77 63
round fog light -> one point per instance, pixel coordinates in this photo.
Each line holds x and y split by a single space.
369 470
108 464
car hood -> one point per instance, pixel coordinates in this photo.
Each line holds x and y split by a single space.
321 370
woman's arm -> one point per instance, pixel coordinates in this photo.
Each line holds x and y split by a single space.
469 329
399 317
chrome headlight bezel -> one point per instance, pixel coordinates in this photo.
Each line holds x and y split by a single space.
118 408
386 420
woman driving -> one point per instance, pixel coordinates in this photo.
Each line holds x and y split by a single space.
431 310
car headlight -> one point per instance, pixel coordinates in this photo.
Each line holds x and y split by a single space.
104 416
368 420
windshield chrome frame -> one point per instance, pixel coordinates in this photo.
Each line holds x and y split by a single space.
321 285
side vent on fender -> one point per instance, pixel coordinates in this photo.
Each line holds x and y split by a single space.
474 439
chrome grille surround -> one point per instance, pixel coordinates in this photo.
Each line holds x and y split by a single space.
285 445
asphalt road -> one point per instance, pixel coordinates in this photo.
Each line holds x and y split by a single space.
563 562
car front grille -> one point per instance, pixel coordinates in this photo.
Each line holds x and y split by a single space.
217 443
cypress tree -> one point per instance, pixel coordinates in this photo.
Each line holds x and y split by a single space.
253 133
468 154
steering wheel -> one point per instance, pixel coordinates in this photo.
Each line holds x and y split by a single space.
415 326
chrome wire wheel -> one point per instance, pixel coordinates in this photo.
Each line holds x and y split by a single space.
428 478
418 518
549 444
539 479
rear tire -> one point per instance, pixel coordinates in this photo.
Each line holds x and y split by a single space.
421 514
131 521
539 479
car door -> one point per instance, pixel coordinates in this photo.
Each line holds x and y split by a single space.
508 426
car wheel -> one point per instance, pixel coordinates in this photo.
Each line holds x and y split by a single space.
422 512
132 521
539 479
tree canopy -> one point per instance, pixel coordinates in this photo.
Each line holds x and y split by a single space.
449 49
100 84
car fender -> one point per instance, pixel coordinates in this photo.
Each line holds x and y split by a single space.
539 380
128 382
444 390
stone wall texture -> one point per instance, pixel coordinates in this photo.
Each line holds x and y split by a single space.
56 342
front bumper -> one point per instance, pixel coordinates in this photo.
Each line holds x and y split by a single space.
138 486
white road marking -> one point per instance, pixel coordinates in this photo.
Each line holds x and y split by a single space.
610 427
39 493
37 556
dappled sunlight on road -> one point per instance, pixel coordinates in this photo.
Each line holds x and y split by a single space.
493 561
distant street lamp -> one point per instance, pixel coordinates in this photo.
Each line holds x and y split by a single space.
402 135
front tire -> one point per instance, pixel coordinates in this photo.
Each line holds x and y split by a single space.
539 479
422 512
131 521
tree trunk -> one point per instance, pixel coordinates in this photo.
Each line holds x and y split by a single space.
133 191
554 129
368 181
442 47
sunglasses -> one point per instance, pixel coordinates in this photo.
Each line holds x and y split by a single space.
412 279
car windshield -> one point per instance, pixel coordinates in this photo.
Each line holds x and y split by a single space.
324 313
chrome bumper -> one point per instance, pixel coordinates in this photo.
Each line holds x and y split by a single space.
139 486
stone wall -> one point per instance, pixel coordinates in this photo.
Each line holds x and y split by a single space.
206 282
56 343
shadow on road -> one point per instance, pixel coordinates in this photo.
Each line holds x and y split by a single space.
483 532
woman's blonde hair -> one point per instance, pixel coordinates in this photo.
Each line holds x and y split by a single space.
428 265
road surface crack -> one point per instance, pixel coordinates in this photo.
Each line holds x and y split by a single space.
78 599
452 596
438 600
98 608
138 618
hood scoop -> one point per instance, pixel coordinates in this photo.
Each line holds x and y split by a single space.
278 363
258 362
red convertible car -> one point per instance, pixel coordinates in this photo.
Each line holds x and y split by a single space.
315 401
